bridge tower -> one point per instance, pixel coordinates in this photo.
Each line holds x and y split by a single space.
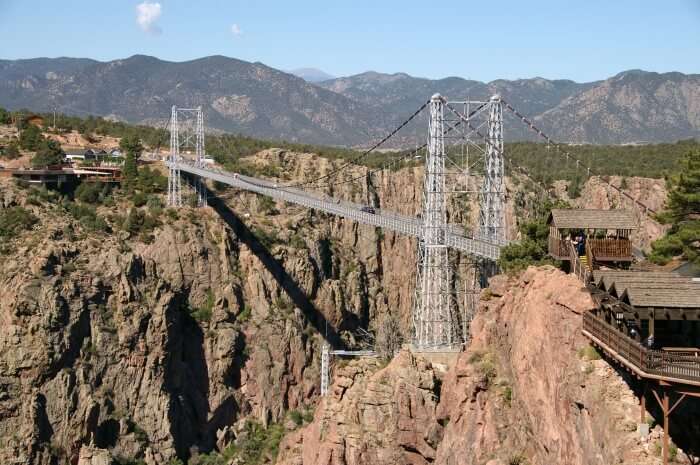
186 133
492 194
433 323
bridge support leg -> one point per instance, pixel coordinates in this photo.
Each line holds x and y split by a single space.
492 222
174 177
325 367
433 316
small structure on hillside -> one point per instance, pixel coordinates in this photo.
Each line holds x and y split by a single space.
85 155
596 236
35 120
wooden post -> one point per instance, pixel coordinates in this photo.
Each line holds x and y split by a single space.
643 403
665 408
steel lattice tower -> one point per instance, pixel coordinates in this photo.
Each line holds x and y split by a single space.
433 314
186 131
493 189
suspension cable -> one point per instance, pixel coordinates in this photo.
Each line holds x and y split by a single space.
362 155
559 148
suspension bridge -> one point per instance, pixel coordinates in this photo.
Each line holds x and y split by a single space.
437 325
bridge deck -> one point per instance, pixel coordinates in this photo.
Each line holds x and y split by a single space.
402 224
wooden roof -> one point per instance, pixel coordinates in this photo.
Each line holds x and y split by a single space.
650 289
592 219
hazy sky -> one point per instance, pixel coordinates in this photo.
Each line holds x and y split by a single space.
582 40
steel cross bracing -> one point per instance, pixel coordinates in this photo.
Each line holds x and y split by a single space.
433 319
186 132
493 189
403 224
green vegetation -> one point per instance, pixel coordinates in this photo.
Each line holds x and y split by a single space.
485 365
48 153
31 138
86 215
11 152
140 223
589 353
245 314
672 450
682 213
517 459
204 313
5 116
14 220
93 192
254 446
652 161
532 249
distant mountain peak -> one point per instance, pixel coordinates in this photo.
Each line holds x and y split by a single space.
260 101
312 74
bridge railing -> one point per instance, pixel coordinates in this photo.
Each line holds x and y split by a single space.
403 224
681 365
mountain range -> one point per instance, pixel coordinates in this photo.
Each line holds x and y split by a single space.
261 101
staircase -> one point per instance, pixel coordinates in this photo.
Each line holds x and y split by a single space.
584 262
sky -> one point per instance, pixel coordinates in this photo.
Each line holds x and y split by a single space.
484 40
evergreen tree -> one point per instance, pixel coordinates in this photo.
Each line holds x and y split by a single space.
31 138
133 148
5 117
11 151
48 154
682 213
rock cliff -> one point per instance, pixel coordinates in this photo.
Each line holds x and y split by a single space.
130 347
522 393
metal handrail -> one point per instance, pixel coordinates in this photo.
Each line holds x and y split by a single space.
403 224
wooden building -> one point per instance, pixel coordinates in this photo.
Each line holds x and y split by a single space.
661 305
648 323
606 232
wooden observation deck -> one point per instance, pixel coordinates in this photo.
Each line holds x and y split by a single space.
649 323
606 234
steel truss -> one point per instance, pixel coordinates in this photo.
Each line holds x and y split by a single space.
186 136
437 322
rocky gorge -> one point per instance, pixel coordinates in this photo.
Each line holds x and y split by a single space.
125 348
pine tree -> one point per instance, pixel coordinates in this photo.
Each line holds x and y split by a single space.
133 148
683 214
48 154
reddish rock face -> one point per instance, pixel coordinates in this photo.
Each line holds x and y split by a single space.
520 392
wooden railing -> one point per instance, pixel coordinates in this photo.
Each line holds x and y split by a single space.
603 249
577 267
676 364
558 247
611 248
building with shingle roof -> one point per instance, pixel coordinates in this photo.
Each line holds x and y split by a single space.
663 305
597 235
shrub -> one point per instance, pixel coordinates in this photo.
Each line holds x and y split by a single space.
517 459
31 138
256 444
589 353
296 417
49 153
204 313
92 192
245 314
14 220
11 151
139 199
